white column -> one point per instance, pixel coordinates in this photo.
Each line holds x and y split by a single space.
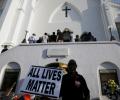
9 25
22 22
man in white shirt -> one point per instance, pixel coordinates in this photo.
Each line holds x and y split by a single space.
45 38
32 38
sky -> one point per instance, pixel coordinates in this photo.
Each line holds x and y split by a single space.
117 1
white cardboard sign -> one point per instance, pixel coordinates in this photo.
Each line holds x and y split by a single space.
43 81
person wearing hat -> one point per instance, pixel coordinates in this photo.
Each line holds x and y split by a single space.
74 86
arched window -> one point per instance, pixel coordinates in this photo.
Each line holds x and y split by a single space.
108 71
106 75
2 5
118 27
10 78
117 22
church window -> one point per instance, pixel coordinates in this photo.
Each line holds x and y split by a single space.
10 80
2 5
118 28
105 76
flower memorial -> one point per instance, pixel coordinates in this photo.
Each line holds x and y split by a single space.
112 90
112 86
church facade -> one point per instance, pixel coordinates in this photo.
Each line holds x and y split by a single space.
98 61
39 17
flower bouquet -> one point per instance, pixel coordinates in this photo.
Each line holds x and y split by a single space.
112 90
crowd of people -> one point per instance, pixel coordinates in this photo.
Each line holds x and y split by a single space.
59 36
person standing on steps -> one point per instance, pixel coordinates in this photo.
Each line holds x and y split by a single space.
73 85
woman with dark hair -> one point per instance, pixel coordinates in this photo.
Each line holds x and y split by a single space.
74 86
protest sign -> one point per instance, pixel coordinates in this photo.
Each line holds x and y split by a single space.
43 81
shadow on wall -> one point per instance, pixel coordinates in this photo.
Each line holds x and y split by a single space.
44 54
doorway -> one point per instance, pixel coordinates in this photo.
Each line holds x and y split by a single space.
109 73
106 75
118 28
10 78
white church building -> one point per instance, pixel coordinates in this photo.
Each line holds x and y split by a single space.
98 61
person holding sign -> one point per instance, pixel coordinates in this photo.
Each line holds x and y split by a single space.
74 86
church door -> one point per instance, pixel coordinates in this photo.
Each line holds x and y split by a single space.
118 28
10 78
10 81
